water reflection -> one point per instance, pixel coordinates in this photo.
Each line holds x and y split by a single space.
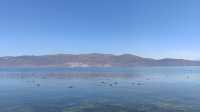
137 90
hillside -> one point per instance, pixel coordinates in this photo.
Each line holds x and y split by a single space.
90 60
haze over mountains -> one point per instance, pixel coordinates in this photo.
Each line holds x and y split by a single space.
90 60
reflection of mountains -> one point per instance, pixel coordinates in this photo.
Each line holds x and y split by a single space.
90 60
66 75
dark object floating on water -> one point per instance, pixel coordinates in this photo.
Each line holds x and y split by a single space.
140 83
38 85
110 84
115 83
103 82
70 87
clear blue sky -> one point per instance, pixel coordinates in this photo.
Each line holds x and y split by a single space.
149 28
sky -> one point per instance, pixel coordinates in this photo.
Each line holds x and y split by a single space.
148 28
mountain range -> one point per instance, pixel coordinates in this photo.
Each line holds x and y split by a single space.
91 60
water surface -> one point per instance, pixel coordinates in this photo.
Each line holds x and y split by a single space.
141 89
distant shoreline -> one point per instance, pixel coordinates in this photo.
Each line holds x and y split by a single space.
91 60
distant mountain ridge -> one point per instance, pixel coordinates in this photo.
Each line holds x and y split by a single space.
90 60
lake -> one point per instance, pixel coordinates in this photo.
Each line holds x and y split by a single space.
139 89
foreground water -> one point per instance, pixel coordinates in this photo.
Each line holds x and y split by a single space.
144 89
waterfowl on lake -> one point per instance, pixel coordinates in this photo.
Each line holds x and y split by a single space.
102 82
115 83
38 85
70 87
139 83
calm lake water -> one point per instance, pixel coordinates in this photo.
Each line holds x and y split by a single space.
141 89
